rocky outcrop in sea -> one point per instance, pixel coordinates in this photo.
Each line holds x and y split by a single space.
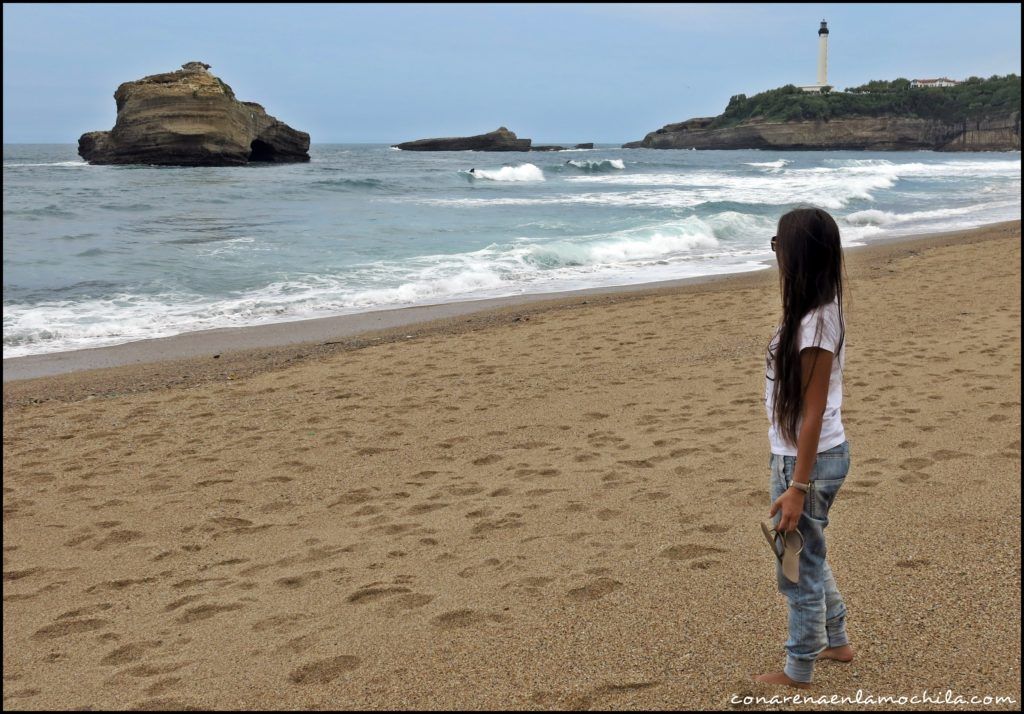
869 133
189 117
501 139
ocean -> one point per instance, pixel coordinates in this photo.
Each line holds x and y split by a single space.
102 255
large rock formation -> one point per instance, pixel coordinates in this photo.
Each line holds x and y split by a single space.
190 118
499 140
873 133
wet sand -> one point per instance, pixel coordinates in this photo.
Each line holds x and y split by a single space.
551 504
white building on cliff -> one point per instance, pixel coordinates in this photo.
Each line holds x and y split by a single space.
940 82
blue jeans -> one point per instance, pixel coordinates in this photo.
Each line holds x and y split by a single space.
817 614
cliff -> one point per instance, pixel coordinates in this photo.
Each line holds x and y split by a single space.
871 133
190 118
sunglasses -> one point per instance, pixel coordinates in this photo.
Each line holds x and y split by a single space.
774 241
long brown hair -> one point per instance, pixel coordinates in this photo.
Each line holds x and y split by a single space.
810 259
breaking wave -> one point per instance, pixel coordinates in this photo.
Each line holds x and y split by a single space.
598 166
522 172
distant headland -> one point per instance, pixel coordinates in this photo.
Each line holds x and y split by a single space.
974 115
190 118
902 115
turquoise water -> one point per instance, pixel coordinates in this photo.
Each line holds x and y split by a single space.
100 255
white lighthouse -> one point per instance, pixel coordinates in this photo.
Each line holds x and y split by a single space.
822 60
823 54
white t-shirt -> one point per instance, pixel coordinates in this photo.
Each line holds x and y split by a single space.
832 433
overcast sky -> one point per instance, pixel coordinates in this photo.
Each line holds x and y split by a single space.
388 73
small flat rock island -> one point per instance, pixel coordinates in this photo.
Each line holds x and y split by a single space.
501 139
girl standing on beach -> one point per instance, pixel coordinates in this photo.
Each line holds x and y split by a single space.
810 455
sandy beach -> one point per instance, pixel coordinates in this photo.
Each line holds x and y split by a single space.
552 504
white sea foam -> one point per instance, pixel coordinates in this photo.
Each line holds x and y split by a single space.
884 218
956 169
522 172
71 164
601 165
828 190
871 217
666 198
769 164
662 241
952 218
828 187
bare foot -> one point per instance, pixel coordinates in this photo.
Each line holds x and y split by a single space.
781 678
839 654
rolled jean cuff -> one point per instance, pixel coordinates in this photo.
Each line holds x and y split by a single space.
837 637
799 670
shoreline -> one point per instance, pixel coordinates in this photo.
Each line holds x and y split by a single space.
374 326
231 353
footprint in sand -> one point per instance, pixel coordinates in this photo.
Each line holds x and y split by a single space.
915 477
26 693
691 551
116 538
164 704
87 610
129 653
205 612
487 525
161 686
409 601
915 464
531 585
280 624
465 618
713 528
70 627
594 590
576 701
913 563
371 594
650 496
421 508
143 671
947 454
324 670
352 498
297 581
638 463
298 645
17 575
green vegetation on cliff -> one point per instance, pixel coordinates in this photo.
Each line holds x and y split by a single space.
975 99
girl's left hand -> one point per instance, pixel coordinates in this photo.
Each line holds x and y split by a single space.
792 504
